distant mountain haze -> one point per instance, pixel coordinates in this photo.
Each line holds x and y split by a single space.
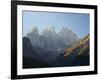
50 40
54 49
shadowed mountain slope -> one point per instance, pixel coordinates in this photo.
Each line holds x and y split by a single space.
79 53
30 57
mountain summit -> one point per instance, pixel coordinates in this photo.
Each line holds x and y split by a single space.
49 44
51 49
50 40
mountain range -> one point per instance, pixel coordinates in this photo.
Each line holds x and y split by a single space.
51 49
50 40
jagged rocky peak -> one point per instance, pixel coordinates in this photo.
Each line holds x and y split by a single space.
49 31
50 28
62 39
68 35
35 30
65 31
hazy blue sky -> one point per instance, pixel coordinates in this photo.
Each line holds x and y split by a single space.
77 22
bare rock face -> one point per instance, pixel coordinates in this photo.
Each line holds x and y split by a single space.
52 49
50 40
49 44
